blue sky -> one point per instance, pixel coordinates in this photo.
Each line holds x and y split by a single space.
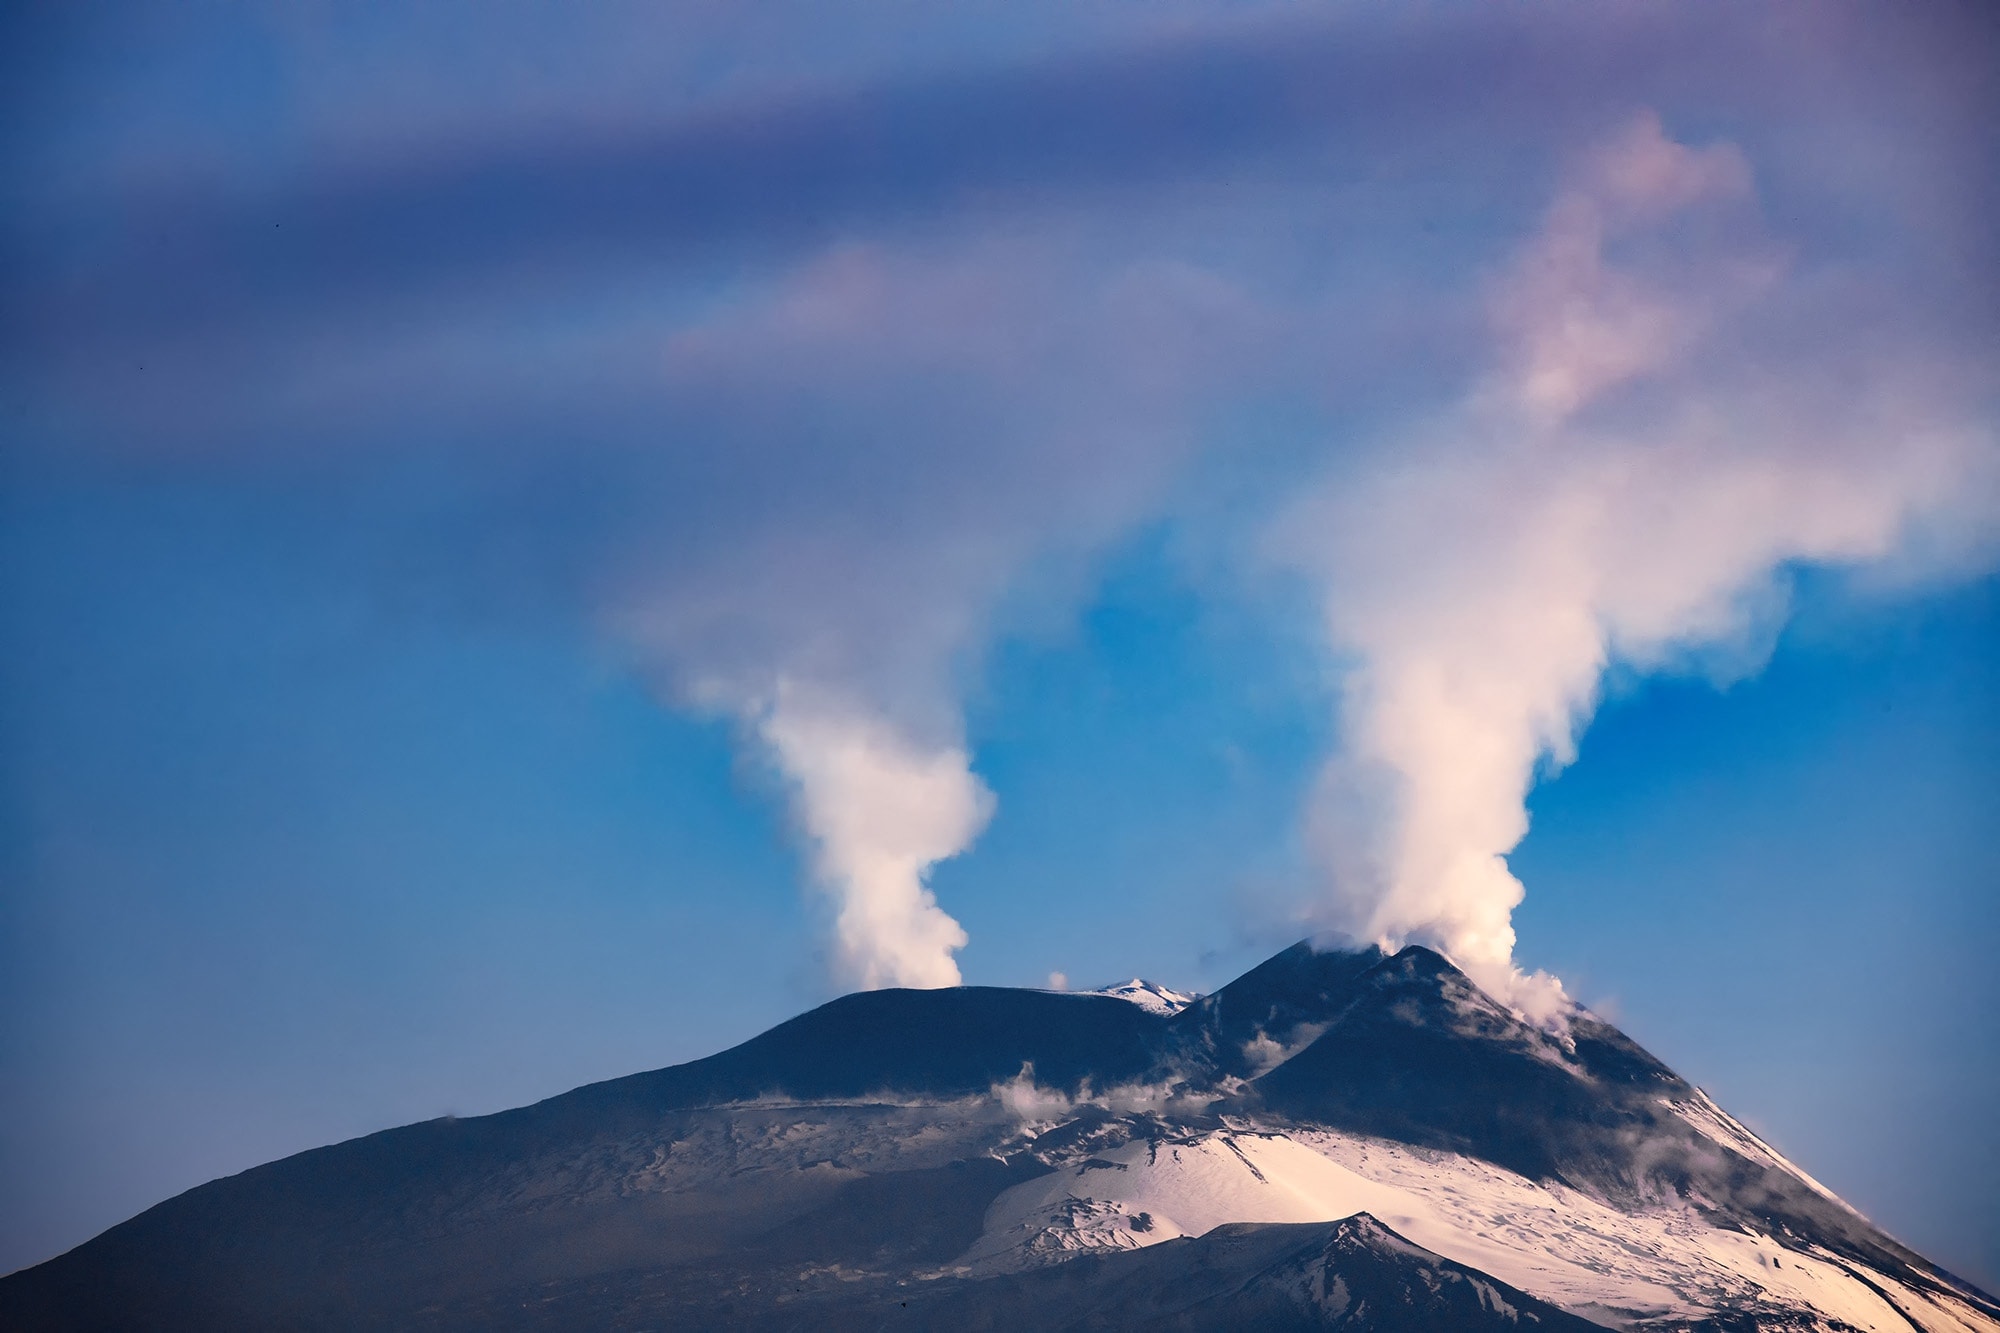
533 543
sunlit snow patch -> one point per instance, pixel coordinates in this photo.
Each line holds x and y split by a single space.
1150 996
1630 1269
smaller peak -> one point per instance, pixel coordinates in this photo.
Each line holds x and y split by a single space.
1281 1004
1149 995
1365 1231
1361 1224
1423 958
1305 969
1334 946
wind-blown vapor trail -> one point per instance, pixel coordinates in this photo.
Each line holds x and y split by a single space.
1613 491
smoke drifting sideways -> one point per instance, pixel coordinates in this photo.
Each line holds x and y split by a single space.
1625 485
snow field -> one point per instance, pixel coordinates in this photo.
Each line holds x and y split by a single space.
1621 1268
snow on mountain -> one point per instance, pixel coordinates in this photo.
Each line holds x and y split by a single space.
1660 1265
1150 996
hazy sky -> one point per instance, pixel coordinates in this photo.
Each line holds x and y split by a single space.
539 542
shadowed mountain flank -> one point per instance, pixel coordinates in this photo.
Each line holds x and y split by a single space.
1419 1054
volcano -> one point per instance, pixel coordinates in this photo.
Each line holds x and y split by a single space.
1337 1139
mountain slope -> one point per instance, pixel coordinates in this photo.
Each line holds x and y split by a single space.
950 1152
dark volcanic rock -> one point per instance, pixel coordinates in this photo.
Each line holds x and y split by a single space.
1420 1054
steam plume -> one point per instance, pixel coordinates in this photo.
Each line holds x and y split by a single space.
1622 487
880 810
896 483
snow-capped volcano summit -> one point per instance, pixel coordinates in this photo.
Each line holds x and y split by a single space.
1333 1140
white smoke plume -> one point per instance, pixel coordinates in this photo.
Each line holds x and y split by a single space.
880 810
1625 486
895 483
